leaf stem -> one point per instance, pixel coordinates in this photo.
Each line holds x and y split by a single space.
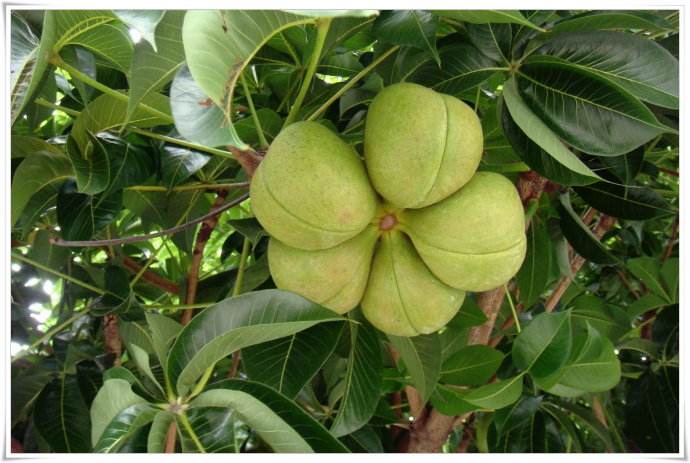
237 289
57 273
263 143
189 186
76 73
146 133
201 384
50 333
322 27
512 309
350 83
188 427
197 305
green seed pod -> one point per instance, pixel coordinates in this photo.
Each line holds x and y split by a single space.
403 297
311 191
334 277
475 239
420 146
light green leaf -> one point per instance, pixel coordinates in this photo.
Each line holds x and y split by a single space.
496 395
534 274
43 167
471 366
114 396
24 47
539 133
159 431
235 323
335 13
124 426
422 358
488 16
154 66
163 331
143 21
596 20
266 423
362 382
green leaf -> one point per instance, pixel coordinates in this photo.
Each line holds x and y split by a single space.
24 48
534 274
488 16
27 384
422 358
517 415
61 416
607 319
494 40
80 215
236 323
596 20
178 164
156 59
124 426
644 304
365 440
120 299
46 253
265 422
215 428
414 28
636 63
107 112
496 395
450 400
163 331
159 431
625 202
593 367
469 315
580 236
197 117
471 366
647 270
591 114
287 364
313 432
42 168
335 13
270 121
586 416
463 67
229 40
544 345
143 21
362 382
115 396
541 135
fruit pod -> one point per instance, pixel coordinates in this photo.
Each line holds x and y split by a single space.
311 191
403 297
475 239
334 277
426 141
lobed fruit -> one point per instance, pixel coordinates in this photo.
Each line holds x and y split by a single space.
440 230
429 142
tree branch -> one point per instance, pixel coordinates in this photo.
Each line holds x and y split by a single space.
150 276
136 239
202 238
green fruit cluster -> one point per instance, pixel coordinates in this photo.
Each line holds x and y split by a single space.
405 233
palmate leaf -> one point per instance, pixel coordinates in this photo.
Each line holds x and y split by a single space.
236 323
313 432
422 358
287 364
641 66
156 60
265 422
591 114
219 45
534 141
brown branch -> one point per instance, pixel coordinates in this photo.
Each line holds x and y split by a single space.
670 172
248 159
671 242
136 239
429 434
170 438
627 284
605 224
152 277
111 335
198 253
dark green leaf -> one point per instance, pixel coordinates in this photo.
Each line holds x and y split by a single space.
591 114
114 397
80 215
318 437
120 299
469 315
422 358
544 345
235 323
178 164
493 40
287 364
496 395
647 269
27 384
535 272
362 382
415 28
594 20
517 415
487 16
580 236
631 203
124 427
364 440
471 366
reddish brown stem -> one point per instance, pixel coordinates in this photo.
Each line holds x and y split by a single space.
671 242
170 438
202 238
111 335
151 276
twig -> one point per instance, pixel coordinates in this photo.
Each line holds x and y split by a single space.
151 276
111 335
171 437
198 253
139 238
671 242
